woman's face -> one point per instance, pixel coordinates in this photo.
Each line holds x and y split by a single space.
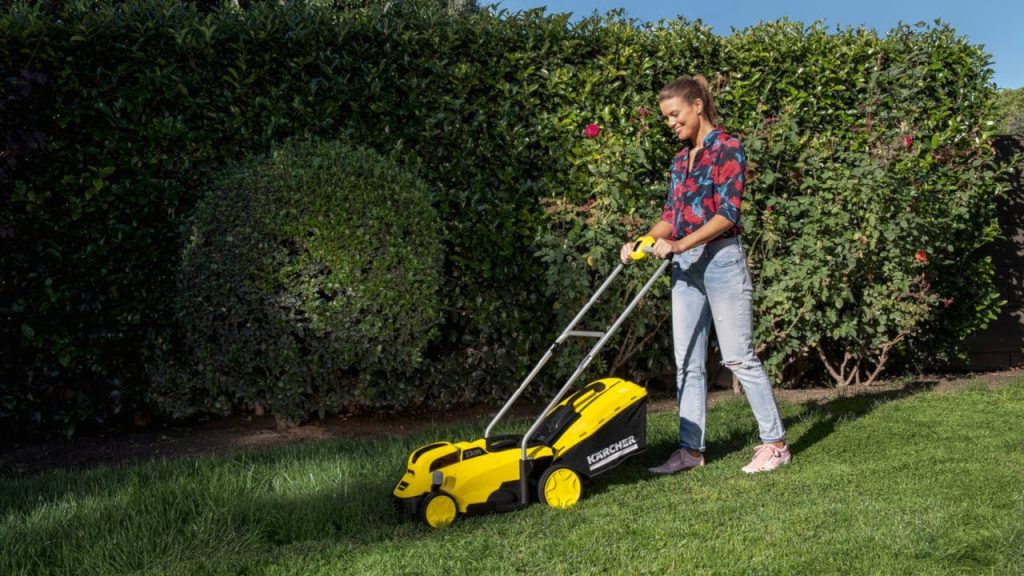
682 117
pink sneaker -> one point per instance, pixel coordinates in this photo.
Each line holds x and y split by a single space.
766 458
679 460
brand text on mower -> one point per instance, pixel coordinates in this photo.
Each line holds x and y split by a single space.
612 452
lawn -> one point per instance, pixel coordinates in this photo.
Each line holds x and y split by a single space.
916 482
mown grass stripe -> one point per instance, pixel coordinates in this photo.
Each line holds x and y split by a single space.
918 483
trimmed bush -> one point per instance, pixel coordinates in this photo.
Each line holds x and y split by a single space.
309 282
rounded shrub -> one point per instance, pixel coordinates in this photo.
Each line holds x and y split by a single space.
309 281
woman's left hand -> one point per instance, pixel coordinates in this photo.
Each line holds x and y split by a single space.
664 248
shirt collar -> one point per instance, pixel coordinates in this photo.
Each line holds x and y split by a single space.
712 136
708 140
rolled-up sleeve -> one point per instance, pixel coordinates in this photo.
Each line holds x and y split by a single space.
728 177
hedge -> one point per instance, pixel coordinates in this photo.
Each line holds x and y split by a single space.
144 101
309 281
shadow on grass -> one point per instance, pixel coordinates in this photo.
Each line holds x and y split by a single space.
830 414
212 510
826 416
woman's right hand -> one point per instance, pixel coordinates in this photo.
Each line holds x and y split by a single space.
624 253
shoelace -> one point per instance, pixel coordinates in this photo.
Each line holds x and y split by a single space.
764 453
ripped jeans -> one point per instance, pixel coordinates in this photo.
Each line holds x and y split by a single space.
713 281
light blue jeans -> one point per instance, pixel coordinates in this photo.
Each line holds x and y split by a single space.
712 281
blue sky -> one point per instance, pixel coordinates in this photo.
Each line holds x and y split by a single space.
999 26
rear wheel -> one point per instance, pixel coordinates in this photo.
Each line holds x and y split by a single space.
560 487
439 509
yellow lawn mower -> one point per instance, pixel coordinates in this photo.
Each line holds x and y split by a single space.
574 439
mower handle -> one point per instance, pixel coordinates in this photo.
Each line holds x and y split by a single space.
641 248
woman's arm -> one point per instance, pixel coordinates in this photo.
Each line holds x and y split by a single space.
709 231
661 229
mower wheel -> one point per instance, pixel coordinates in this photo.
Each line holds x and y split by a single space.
560 487
439 509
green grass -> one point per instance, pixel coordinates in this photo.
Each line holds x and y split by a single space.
915 483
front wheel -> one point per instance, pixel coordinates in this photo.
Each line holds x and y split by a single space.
560 487
439 509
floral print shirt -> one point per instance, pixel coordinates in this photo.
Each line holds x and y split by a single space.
714 186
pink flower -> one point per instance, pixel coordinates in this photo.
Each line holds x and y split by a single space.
769 209
908 141
643 112
592 131
921 256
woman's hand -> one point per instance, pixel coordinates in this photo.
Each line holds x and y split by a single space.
664 248
624 253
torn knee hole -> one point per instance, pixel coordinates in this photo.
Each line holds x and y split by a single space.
734 364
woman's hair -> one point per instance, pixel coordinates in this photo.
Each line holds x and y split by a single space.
690 89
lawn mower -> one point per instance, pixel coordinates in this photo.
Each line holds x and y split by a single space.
574 439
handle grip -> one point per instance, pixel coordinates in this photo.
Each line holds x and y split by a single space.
641 248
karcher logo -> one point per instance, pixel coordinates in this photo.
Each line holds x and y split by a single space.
612 452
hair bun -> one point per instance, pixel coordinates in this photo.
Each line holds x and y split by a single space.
690 89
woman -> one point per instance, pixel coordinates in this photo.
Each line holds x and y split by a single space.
700 229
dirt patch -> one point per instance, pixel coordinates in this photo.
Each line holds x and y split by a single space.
239 433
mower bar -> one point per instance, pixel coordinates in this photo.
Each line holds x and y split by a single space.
569 331
551 351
